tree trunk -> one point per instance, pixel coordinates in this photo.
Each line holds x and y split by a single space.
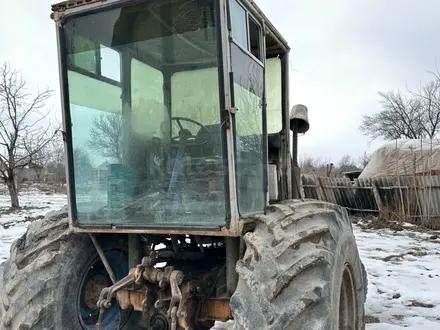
13 193
39 175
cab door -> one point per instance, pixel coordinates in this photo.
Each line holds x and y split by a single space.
247 81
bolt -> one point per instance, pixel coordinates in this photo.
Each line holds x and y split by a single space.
179 278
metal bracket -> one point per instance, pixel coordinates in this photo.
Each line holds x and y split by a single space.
143 274
231 110
57 17
103 258
175 309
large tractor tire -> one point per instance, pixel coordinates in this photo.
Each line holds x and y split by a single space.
365 276
301 270
53 278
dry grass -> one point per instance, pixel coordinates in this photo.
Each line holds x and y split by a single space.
60 189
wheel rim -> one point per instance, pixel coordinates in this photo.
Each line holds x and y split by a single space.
347 301
93 281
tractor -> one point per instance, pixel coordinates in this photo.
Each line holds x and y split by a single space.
185 208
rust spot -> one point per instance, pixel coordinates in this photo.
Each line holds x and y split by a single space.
128 298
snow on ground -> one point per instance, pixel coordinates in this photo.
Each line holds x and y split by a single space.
404 278
35 204
403 267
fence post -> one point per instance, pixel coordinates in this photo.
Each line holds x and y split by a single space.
320 190
302 183
376 195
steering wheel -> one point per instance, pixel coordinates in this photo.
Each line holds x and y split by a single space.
185 136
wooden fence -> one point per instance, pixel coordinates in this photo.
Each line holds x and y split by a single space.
415 199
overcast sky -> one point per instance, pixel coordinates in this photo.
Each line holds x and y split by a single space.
343 53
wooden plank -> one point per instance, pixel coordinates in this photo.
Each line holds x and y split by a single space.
377 196
320 190
345 187
362 210
414 198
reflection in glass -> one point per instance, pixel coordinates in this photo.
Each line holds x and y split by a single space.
274 95
238 23
144 107
251 162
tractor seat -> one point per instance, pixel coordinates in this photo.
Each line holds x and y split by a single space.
212 146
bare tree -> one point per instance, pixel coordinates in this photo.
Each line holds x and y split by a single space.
50 161
400 117
82 165
24 127
57 164
40 161
364 160
346 161
106 135
428 96
347 164
318 166
413 115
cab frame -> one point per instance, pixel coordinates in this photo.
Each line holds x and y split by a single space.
276 145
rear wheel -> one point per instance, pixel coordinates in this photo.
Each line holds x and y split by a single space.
301 270
94 279
365 276
53 279
347 301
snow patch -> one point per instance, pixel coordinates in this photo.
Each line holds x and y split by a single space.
35 204
404 278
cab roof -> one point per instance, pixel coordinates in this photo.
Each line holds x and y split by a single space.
275 42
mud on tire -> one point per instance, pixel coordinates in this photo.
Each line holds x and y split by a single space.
39 283
292 270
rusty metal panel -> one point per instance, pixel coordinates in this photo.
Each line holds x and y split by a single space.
215 309
225 231
61 6
133 299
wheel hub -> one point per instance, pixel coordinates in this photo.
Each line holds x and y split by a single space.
93 288
94 279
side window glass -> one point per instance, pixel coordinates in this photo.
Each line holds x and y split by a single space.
254 39
250 157
238 22
274 95
95 59
110 63
84 56
245 30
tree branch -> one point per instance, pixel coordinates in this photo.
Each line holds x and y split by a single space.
24 125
